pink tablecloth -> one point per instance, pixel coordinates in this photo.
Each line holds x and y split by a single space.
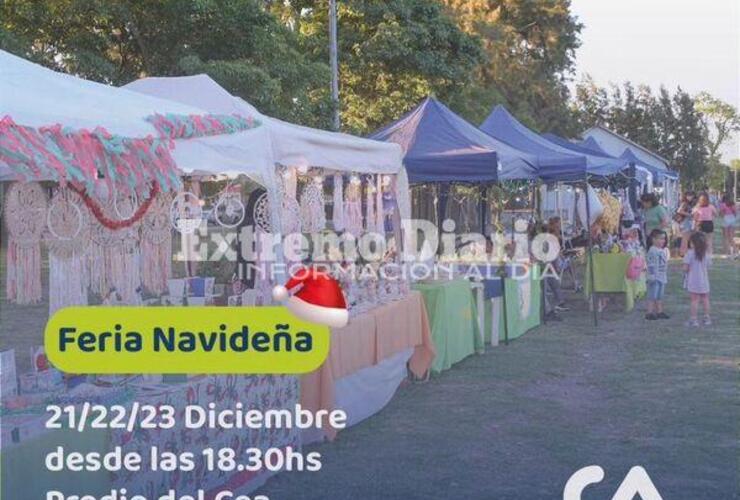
368 339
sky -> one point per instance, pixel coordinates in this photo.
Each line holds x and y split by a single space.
694 44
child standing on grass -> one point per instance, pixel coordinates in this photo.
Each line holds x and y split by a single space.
696 266
657 274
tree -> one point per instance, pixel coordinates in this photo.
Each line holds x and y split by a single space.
530 54
719 119
237 42
668 124
391 54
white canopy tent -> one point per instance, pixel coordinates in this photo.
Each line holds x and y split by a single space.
291 145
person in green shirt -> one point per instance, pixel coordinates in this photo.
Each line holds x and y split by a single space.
654 215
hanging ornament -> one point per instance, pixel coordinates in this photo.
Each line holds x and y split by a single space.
371 223
156 245
186 212
25 219
313 215
290 209
389 205
68 241
261 213
379 203
353 207
338 203
229 211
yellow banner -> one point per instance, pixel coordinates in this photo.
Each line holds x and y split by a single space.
184 340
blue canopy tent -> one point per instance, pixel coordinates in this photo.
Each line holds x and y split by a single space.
599 162
591 144
440 146
443 148
659 172
554 162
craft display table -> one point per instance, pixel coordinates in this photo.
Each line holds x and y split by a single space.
522 286
610 277
368 340
453 317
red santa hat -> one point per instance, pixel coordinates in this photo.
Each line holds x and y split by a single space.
318 298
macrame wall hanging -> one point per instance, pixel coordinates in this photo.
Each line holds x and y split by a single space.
115 255
156 245
371 222
25 217
389 204
68 241
313 215
338 203
353 207
379 202
291 210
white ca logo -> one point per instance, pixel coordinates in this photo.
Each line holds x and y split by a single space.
637 482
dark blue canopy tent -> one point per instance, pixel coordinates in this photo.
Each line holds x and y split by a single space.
443 148
659 172
554 162
440 146
599 163
591 144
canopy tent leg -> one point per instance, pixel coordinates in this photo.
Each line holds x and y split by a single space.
591 257
443 194
503 305
483 207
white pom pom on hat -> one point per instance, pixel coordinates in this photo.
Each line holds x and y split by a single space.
280 293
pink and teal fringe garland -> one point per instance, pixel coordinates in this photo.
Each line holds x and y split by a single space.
186 127
65 155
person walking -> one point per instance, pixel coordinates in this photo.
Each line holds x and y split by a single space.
728 212
703 215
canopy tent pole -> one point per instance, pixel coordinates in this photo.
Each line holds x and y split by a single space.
591 256
443 192
334 65
503 305
483 207
632 190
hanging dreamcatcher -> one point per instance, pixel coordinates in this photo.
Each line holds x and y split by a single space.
313 215
25 218
156 245
115 255
68 241
353 207
290 209
229 211
371 222
337 216
186 213
261 213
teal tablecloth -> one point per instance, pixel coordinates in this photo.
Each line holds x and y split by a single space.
610 277
523 306
453 321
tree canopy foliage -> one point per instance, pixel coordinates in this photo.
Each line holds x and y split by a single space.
472 54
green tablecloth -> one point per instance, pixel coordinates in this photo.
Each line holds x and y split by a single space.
453 320
610 278
24 473
523 304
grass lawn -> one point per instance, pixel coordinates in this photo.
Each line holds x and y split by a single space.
517 421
